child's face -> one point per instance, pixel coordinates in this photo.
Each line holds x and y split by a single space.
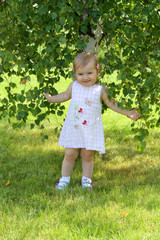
87 76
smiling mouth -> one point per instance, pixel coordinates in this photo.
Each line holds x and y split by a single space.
86 81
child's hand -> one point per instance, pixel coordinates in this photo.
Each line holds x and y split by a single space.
134 115
47 96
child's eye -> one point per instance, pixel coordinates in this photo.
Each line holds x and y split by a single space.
80 74
90 73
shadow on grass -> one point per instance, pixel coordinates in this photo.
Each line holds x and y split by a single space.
32 167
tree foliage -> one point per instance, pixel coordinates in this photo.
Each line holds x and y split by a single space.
42 38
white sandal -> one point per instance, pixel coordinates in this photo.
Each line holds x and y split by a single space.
87 183
61 184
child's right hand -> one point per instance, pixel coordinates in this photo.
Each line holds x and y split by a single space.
47 96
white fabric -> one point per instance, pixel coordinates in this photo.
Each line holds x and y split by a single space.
87 183
85 178
66 179
83 127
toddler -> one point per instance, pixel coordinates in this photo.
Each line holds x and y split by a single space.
83 128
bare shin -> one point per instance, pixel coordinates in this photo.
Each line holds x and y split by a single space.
87 162
69 160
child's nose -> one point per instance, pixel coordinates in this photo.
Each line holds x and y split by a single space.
85 76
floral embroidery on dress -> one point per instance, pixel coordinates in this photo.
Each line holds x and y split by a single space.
76 107
84 122
88 102
78 111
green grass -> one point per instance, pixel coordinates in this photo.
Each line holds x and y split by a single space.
125 203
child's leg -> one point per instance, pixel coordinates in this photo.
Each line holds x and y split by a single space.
69 160
87 162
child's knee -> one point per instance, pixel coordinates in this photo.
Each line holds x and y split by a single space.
87 155
71 152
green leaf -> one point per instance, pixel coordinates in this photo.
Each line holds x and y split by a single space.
1 79
145 34
12 85
35 111
62 40
57 27
22 115
42 10
32 105
54 15
60 113
32 126
20 106
62 20
20 98
84 29
44 138
142 146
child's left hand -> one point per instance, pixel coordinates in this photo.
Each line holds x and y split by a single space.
134 115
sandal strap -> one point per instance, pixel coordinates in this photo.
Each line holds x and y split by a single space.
61 184
87 183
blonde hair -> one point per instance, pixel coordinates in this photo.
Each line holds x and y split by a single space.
82 59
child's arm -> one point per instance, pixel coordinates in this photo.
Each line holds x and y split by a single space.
113 104
61 97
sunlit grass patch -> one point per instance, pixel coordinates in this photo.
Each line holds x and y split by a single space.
123 205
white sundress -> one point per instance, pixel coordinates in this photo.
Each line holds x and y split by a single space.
83 127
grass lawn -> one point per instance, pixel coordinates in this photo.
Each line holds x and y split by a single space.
125 203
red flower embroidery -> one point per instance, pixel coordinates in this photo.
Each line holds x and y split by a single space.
85 122
80 110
